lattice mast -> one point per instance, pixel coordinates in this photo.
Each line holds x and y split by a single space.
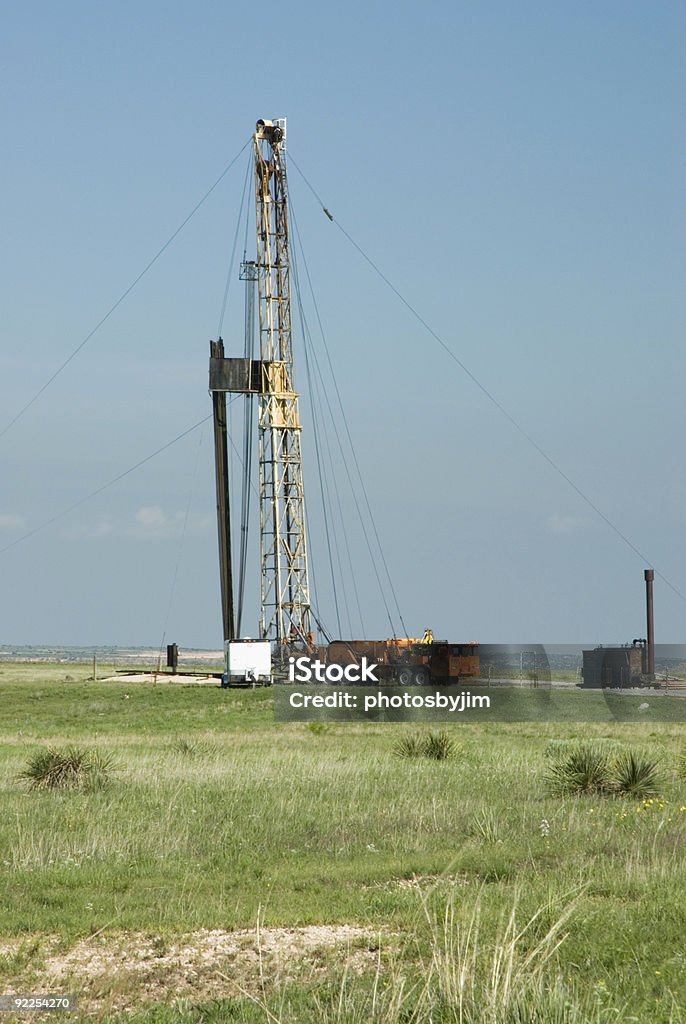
285 592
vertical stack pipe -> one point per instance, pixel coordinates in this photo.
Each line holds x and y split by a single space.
649 576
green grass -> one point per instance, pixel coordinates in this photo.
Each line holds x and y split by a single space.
217 816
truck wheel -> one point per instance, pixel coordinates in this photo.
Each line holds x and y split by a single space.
404 676
421 676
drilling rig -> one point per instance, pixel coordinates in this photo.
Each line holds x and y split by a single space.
285 616
285 611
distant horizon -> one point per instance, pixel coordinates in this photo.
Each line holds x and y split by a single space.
675 649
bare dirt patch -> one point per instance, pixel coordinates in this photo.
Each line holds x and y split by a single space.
121 972
159 678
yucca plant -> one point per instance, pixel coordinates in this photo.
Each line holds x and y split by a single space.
191 748
409 746
70 768
636 775
587 769
438 746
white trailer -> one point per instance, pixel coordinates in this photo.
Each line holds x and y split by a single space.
247 663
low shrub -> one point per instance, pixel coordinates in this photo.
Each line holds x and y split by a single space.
409 746
592 769
69 768
586 769
191 748
636 775
437 746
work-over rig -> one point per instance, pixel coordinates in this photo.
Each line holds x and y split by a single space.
285 592
287 618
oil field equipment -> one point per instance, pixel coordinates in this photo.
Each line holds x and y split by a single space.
629 665
408 661
265 372
285 615
616 666
247 663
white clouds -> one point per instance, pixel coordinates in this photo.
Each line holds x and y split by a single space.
561 526
151 517
91 531
12 522
151 522
148 523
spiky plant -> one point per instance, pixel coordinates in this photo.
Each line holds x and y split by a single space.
681 764
69 768
409 746
191 748
636 775
586 769
438 746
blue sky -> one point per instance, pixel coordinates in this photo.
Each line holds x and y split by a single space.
516 170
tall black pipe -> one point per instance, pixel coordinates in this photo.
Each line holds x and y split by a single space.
649 576
221 463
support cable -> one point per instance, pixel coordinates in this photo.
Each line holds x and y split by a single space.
120 476
317 418
323 484
103 487
110 483
182 541
359 512
314 392
489 395
123 295
229 275
315 433
329 522
353 452
360 516
341 518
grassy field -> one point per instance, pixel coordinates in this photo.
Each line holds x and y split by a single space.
239 870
